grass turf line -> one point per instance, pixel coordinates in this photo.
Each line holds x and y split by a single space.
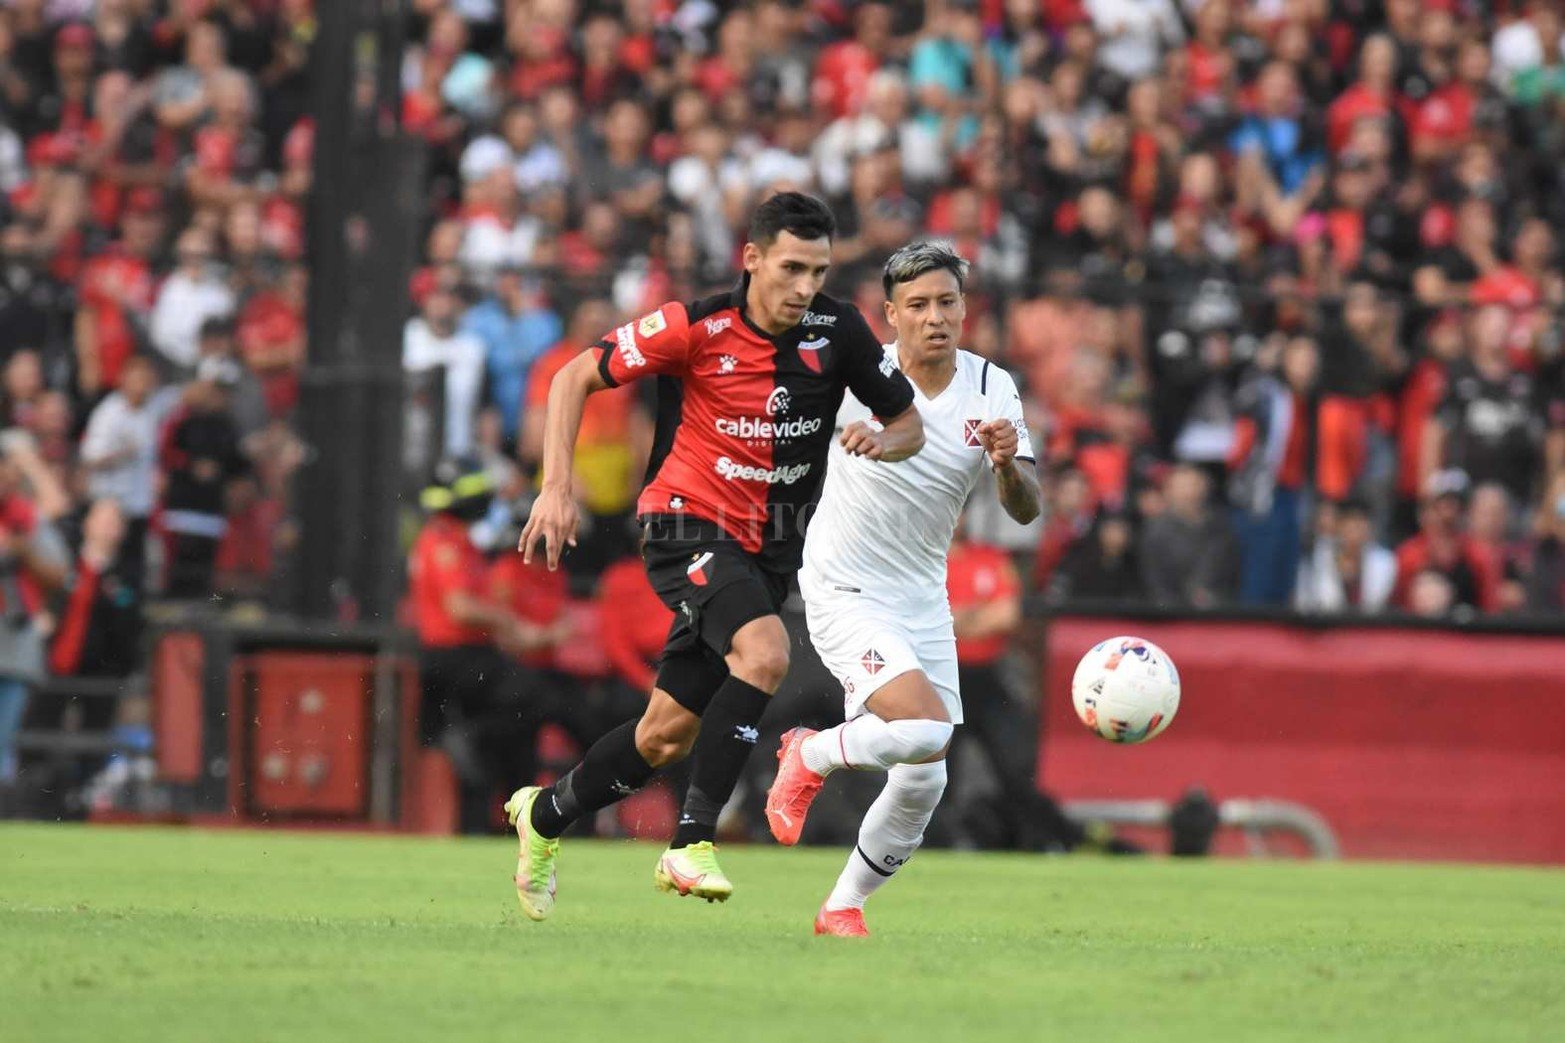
173 935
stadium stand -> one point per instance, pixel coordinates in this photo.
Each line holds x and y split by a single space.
1280 282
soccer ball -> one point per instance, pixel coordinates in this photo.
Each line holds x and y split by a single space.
1126 689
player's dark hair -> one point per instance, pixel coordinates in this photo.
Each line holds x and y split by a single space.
798 214
921 258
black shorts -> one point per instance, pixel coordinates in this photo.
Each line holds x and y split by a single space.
710 582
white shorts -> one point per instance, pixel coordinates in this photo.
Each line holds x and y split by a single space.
866 644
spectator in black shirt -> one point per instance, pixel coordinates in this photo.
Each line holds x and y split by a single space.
1188 554
200 456
1102 565
1488 423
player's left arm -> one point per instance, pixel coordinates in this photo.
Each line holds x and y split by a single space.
1009 448
878 384
899 438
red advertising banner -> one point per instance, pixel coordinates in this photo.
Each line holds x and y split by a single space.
1410 743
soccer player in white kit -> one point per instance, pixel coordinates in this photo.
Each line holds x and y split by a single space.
874 579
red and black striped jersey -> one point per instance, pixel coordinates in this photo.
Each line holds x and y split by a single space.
745 418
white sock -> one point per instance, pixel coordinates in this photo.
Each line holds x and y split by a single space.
869 742
892 830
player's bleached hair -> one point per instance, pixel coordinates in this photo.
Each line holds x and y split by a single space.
921 258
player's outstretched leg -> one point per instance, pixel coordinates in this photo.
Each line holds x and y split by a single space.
807 757
615 766
757 662
892 830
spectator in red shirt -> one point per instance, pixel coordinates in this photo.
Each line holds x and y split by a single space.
1371 96
1422 393
271 337
1443 546
117 292
843 69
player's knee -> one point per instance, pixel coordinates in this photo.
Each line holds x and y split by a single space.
662 743
919 786
921 739
763 663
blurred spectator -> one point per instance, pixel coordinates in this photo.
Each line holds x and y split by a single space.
116 296
1135 33
200 455
1487 424
1269 470
1346 570
271 335
1069 509
32 563
1188 557
1443 547
192 295
1101 565
1490 521
218 339
100 626
119 452
433 341
1546 577
516 328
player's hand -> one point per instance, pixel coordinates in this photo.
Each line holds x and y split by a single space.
999 439
551 522
859 439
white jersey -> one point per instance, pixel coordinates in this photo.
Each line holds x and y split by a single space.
884 530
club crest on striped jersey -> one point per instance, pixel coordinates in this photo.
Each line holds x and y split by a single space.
811 353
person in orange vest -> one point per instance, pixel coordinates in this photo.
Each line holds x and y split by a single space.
986 609
466 638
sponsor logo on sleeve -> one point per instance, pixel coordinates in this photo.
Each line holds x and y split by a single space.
631 355
653 324
887 367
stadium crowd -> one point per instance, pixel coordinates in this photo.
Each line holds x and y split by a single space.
1280 281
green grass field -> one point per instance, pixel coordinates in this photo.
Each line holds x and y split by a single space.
171 935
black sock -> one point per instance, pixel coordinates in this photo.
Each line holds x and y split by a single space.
728 734
612 770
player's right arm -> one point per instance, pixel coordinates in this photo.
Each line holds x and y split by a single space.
656 343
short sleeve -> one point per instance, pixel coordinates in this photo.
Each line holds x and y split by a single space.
656 343
871 376
1005 403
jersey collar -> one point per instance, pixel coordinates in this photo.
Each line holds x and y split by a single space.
737 298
